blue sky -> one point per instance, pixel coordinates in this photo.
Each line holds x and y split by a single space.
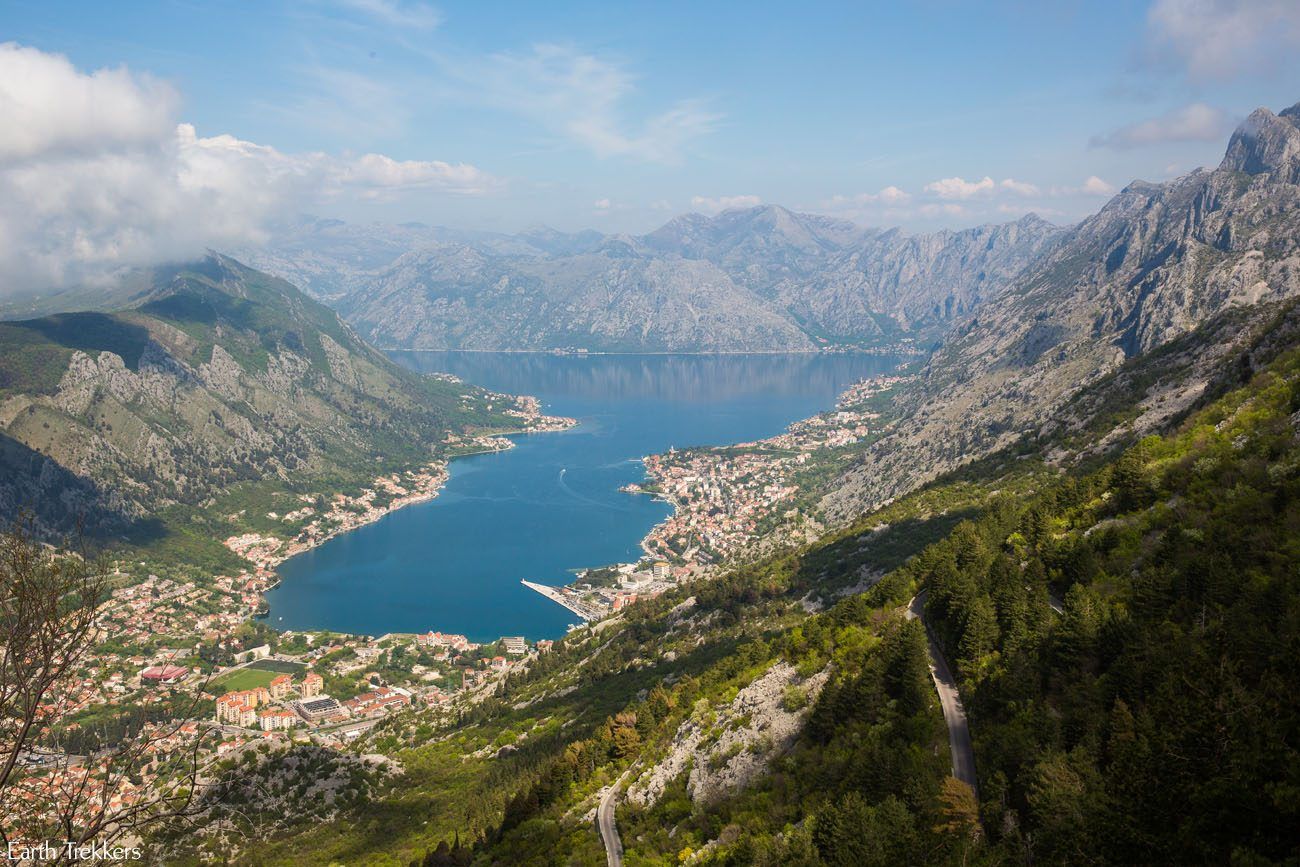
618 116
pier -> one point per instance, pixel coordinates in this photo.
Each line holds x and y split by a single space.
586 612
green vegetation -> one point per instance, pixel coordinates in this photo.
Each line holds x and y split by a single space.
278 666
241 679
257 397
1150 720
1153 718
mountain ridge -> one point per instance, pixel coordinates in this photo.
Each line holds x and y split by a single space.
753 279
1156 263
214 376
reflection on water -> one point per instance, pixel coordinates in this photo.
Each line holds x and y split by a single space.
552 504
680 378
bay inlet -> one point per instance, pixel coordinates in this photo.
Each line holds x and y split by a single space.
552 504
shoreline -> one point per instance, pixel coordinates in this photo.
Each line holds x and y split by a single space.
724 543
710 541
696 353
267 553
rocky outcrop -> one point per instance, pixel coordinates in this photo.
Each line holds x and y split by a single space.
220 375
914 284
1212 250
725 749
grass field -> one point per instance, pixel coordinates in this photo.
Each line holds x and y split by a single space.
244 678
278 666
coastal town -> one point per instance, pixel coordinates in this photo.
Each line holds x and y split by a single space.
188 651
728 498
221 681
729 502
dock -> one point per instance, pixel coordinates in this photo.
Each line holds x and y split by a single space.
586 612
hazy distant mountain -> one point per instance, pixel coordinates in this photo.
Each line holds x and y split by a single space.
762 278
614 299
327 259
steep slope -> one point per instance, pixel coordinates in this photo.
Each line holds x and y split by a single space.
1213 250
216 375
1116 632
913 284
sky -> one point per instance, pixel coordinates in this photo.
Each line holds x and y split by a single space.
141 131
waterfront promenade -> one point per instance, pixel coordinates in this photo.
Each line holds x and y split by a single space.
586 612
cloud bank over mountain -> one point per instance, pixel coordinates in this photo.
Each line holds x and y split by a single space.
97 173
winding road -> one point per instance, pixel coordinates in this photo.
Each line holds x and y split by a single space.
605 821
954 715
963 753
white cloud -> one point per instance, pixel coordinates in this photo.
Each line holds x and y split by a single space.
1220 39
88 191
1194 122
50 107
602 204
960 188
582 97
420 16
893 195
1020 188
376 174
890 195
723 203
946 199
1095 186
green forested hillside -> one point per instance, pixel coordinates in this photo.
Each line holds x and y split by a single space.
215 384
1154 717
1124 637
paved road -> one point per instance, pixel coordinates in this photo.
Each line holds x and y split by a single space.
963 754
605 821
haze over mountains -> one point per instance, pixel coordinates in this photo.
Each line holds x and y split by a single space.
1029 314
756 279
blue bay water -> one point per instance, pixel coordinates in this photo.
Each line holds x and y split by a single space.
551 505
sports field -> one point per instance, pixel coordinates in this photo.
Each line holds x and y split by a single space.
244 678
279 666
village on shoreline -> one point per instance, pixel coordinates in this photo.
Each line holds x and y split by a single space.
199 646
257 685
729 502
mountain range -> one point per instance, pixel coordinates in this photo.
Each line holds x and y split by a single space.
1079 524
756 279
1089 494
1152 295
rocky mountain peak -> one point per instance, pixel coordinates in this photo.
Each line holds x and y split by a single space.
1033 221
1266 142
